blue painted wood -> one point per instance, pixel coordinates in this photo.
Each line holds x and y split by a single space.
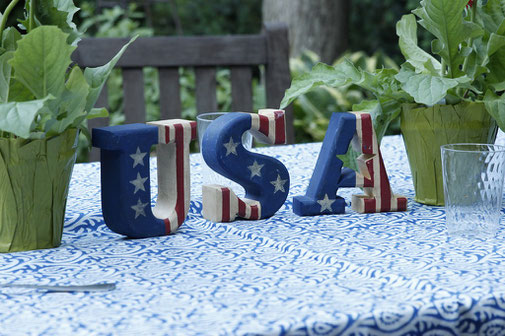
125 179
321 196
265 179
347 178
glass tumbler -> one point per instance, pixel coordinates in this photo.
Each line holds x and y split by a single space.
208 175
473 188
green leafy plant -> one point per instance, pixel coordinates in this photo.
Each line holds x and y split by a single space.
41 94
467 63
313 109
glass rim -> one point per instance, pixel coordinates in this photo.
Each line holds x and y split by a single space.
216 113
473 148
203 115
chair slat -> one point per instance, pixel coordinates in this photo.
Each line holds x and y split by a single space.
241 89
240 53
278 77
164 51
94 154
206 100
170 96
134 102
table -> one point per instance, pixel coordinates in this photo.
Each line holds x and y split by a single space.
385 273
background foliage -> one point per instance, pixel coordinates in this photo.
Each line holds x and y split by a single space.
372 26
372 23
372 32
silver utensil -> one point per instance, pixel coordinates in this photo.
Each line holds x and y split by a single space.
99 287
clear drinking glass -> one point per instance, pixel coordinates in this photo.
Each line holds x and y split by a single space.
208 175
473 188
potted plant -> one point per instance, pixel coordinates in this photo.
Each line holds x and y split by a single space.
453 94
44 101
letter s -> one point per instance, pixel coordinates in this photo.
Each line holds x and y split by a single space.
265 179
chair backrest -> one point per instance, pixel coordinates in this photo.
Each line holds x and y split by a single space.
239 53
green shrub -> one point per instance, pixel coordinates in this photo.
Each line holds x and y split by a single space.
313 109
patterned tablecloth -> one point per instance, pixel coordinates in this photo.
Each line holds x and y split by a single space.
373 274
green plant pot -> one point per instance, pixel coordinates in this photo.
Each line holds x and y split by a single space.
425 129
34 180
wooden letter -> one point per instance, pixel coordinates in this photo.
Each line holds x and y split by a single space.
265 179
125 176
321 196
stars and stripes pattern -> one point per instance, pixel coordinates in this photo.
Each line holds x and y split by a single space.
222 205
174 137
257 172
269 126
373 177
125 176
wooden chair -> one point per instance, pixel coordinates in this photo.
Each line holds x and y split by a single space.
239 53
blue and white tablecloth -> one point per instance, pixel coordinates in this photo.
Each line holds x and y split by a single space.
352 274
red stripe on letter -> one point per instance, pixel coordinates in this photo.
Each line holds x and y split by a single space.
369 205
264 124
280 127
367 132
225 215
193 130
167 226
167 134
179 163
402 203
241 208
254 212
384 186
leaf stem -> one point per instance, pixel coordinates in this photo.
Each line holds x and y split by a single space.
8 10
470 39
32 15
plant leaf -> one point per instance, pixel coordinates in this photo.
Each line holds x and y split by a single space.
495 43
18 117
58 13
406 29
495 105
99 112
444 19
425 88
492 15
496 67
41 61
18 92
10 37
5 76
71 103
382 83
96 77
334 76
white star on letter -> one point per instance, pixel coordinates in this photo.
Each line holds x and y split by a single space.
325 203
139 183
278 184
231 147
138 158
139 208
255 169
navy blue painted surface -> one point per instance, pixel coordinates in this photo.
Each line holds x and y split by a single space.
124 157
326 178
270 184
